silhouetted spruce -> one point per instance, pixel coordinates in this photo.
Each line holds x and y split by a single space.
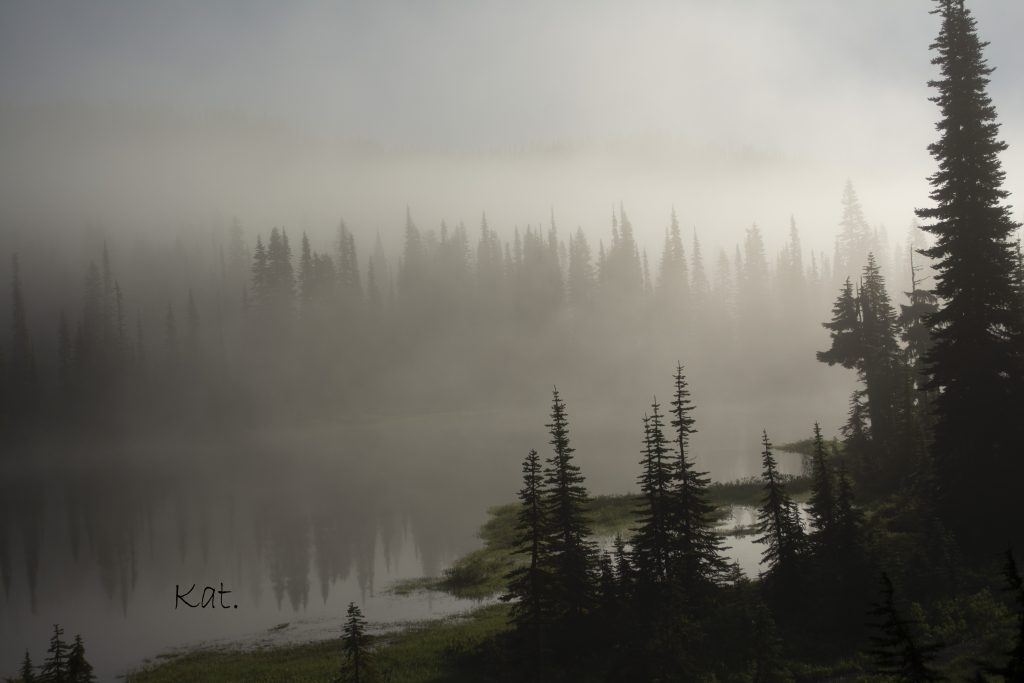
1013 670
529 584
914 331
697 549
355 645
79 669
849 520
26 672
651 540
894 648
607 589
625 572
857 439
822 504
978 331
778 519
570 554
844 330
879 359
55 666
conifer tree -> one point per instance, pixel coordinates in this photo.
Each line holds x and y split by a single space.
651 542
55 666
822 505
570 552
697 549
306 276
580 275
673 273
79 669
624 569
528 584
854 240
845 330
699 281
355 645
1013 670
894 647
259 267
778 519
879 354
26 672
976 361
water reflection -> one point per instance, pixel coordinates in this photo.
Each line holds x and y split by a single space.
101 551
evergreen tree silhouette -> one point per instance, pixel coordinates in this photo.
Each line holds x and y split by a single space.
878 363
79 669
529 584
26 672
355 644
570 552
894 648
778 519
845 330
976 360
1013 670
651 541
698 550
822 504
55 666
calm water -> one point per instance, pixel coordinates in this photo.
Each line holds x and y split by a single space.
294 525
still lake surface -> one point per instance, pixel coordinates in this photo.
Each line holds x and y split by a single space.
295 525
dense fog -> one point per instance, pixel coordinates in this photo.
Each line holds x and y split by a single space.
284 303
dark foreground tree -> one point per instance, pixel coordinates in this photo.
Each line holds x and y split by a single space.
822 505
570 552
55 666
1013 670
697 549
26 672
355 644
778 520
79 668
528 584
894 648
651 541
975 363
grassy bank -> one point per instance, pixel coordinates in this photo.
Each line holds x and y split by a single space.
481 573
432 651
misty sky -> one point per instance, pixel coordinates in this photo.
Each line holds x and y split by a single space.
834 89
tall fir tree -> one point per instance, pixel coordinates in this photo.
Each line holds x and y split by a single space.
844 330
976 363
697 549
355 645
1013 670
79 668
652 538
55 666
26 674
778 519
529 583
570 552
822 504
895 646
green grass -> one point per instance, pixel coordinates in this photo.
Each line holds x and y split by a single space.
433 651
481 573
